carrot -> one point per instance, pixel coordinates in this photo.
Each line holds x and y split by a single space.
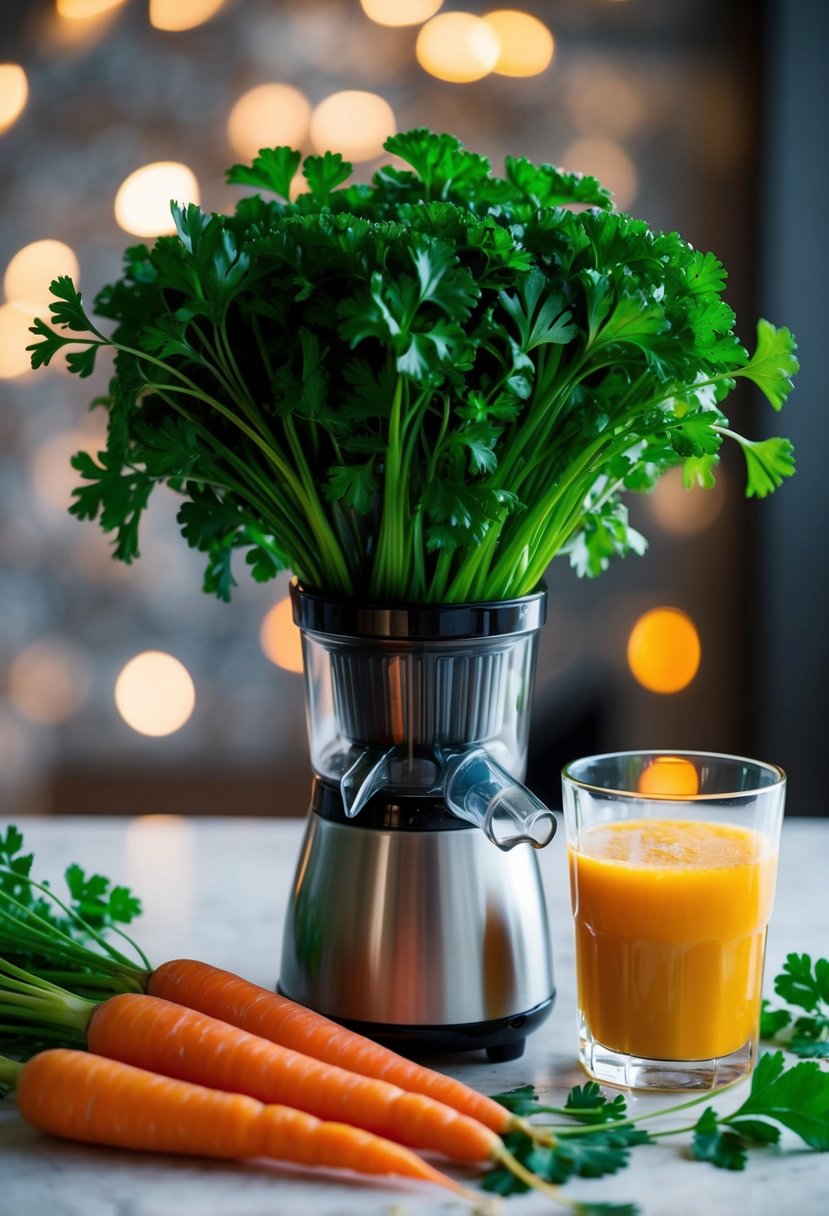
84 1097
155 1035
164 1037
265 1013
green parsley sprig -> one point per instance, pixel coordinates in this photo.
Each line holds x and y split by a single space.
806 988
422 389
600 1134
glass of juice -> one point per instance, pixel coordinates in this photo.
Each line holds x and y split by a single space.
673 860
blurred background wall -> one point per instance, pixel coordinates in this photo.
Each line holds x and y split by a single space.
705 116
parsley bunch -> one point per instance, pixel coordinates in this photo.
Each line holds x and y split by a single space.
423 389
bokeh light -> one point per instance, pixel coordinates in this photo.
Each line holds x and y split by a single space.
400 12
32 269
664 650
458 47
47 681
84 10
14 93
182 14
669 777
602 100
53 476
154 693
280 639
685 512
526 43
142 204
609 162
268 116
15 360
354 123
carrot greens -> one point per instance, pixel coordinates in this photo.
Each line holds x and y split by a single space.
422 389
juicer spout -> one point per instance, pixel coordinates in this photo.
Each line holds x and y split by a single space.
368 774
479 790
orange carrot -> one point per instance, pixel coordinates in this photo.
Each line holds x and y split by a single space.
84 1097
164 1037
262 1012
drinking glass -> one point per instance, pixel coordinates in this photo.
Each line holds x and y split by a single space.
673 861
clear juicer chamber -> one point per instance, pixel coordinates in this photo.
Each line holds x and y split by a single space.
426 700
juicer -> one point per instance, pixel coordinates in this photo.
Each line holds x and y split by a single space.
417 914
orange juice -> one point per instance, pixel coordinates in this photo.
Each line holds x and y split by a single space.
671 922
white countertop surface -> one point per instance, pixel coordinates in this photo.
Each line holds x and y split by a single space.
217 889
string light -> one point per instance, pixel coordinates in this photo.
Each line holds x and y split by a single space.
182 14
280 639
142 204
458 47
664 650
14 93
266 117
526 45
154 694
400 12
353 123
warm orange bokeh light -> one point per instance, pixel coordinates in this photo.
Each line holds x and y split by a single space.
526 43
669 777
685 512
280 639
52 474
154 693
664 650
266 117
400 12
458 47
353 123
83 10
15 360
142 204
182 14
14 93
47 681
32 269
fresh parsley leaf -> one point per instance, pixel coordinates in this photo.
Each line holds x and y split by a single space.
772 1021
589 1104
797 1098
773 363
768 462
116 497
803 985
807 988
273 169
722 1148
324 173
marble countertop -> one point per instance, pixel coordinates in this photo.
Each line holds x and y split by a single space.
216 889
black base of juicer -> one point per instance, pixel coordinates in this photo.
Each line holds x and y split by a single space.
502 1039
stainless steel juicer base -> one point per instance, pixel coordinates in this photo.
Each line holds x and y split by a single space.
411 928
